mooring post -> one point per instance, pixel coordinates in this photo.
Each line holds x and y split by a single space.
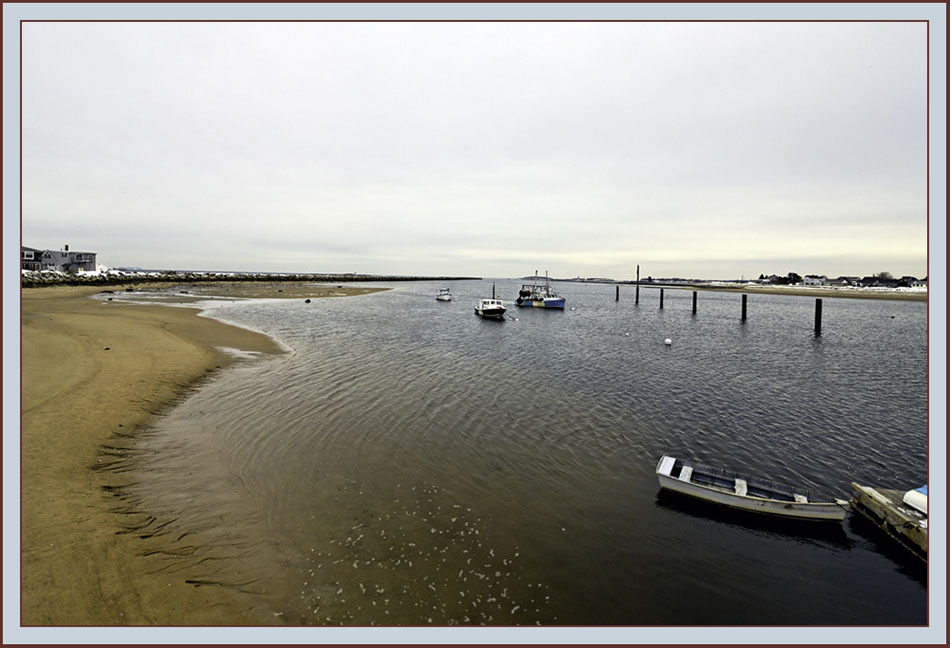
617 298
744 297
661 298
637 298
694 302
818 317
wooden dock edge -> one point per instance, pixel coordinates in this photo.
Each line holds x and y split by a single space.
885 508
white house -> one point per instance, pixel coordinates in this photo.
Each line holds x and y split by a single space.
815 280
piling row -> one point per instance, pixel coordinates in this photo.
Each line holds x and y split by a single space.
745 301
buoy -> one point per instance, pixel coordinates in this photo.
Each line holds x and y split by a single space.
668 342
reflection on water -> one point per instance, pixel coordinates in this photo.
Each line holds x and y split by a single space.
409 463
831 534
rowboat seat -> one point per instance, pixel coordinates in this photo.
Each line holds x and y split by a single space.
741 487
686 473
801 499
666 465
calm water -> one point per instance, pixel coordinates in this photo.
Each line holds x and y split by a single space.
410 463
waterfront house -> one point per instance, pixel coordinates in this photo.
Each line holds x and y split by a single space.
61 260
848 281
30 258
814 280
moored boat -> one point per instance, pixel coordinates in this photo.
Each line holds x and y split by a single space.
539 295
444 295
744 492
490 309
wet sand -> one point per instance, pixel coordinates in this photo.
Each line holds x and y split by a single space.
92 372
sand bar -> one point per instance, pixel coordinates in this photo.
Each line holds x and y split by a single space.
92 369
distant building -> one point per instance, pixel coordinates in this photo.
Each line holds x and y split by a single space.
30 258
814 280
875 281
848 281
61 260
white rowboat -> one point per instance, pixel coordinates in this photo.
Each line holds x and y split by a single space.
746 493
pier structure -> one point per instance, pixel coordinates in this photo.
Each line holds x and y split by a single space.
886 509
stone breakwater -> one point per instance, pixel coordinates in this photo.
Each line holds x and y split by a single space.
39 279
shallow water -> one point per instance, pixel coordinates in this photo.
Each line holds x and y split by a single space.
409 463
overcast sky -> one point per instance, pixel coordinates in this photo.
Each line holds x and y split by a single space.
704 150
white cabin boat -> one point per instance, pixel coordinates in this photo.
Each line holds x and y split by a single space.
742 492
490 309
444 295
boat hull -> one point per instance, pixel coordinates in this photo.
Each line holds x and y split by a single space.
543 303
444 298
807 511
491 313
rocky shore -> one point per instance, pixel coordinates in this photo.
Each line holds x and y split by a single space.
31 279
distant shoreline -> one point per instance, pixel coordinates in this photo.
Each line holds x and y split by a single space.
811 291
40 279
44 279
773 289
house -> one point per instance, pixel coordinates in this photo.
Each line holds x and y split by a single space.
62 260
875 281
845 282
814 280
30 258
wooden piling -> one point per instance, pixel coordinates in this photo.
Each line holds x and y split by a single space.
661 298
818 317
637 298
617 298
694 302
744 299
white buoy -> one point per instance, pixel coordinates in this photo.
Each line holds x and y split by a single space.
668 342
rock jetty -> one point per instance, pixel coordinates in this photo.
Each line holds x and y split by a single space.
34 279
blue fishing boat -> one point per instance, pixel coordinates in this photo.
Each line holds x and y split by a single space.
539 295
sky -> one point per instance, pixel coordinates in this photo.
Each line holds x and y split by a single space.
718 150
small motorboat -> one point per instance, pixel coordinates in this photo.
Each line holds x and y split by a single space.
490 308
444 295
539 295
743 492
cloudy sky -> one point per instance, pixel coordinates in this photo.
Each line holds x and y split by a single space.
705 150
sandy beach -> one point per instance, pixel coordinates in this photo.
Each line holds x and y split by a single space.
92 372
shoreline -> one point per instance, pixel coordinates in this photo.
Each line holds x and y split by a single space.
93 371
800 291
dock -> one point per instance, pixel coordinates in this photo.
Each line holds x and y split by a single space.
886 509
